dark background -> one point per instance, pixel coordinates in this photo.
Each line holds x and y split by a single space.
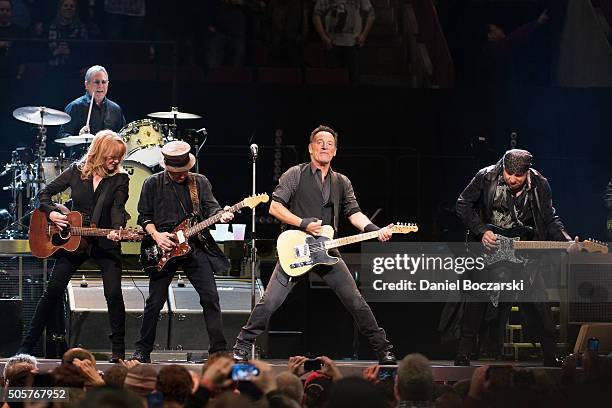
409 152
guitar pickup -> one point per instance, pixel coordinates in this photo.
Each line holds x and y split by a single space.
301 251
300 264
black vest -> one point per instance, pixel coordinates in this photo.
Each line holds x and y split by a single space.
307 202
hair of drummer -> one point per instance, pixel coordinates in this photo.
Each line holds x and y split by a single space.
93 70
106 143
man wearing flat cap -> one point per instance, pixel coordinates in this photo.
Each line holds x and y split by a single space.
508 194
165 200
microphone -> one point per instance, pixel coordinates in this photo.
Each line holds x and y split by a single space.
254 150
203 131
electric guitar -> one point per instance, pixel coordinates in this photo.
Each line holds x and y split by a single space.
299 252
46 238
153 258
510 240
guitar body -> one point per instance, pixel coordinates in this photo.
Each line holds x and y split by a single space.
522 233
295 252
153 259
43 244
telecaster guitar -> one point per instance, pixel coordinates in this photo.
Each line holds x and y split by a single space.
46 238
299 252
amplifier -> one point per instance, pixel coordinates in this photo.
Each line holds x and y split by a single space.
11 325
187 327
88 324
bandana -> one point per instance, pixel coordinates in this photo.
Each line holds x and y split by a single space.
517 161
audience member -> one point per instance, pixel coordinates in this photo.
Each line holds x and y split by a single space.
340 26
115 376
414 381
106 397
11 52
290 386
287 29
498 57
175 384
355 392
20 362
125 19
66 58
141 379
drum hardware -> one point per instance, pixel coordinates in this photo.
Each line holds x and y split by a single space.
174 114
28 167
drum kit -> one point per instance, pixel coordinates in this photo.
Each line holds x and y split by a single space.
31 169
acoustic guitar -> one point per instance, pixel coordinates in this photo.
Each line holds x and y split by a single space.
46 238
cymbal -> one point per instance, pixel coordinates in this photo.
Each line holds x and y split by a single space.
76 139
32 114
172 114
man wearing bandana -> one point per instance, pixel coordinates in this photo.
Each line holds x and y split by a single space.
509 194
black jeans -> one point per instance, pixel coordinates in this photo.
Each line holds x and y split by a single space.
339 280
539 314
198 269
109 261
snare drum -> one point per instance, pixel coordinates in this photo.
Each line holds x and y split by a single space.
144 140
138 173
51 168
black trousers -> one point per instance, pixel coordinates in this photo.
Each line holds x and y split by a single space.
339 280
199 271
66 265
539 314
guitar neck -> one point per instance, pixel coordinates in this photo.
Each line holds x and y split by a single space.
351 239
90 232
541 245
189 232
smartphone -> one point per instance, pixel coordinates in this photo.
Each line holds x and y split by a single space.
242 372
386 372
593 344
312 365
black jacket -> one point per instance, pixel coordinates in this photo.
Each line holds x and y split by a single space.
84 198
475 204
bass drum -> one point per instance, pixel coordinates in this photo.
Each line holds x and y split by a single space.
138 172
144 140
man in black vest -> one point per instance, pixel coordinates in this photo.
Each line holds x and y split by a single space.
307 196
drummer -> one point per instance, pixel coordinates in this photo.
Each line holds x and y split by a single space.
105 114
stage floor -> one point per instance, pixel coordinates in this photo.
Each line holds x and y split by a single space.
443 370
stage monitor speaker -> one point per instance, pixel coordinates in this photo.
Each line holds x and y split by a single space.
600 331
88 324
11 325
187 327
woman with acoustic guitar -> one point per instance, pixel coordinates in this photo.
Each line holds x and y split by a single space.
99 190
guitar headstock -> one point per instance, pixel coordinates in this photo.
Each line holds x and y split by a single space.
132 234
591 245
255 200
404 228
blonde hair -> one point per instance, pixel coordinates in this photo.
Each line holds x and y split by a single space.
106 143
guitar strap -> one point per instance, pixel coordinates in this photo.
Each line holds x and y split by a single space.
97 212
193 193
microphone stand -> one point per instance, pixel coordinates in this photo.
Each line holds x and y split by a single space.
198 147
253 241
